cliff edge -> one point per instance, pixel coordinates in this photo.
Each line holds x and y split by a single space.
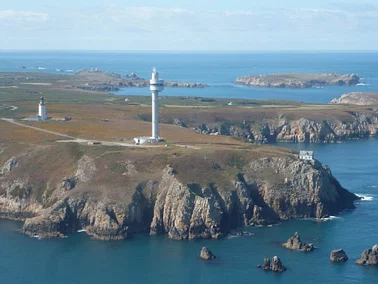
183 193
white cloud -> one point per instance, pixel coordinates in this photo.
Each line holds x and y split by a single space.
12 15
175 28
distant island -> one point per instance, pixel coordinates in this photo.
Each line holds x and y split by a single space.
111 82
357 98
298 80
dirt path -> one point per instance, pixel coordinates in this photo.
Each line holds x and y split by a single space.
75 139
37 128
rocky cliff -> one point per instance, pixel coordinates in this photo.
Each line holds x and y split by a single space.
298 80
185 194
357 125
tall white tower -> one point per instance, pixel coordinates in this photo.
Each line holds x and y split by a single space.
156 86
42 109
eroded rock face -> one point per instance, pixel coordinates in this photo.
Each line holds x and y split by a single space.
102 221
338 255
182 214
369 256
295 243
206 254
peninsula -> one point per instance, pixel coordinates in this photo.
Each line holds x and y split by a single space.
298 80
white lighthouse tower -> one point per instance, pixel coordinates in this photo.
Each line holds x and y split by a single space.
42 109
156 86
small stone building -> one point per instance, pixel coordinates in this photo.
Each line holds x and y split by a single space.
306 155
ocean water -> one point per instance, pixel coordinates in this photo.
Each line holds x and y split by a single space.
218 70
144 259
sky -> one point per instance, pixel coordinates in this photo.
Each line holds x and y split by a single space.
189 25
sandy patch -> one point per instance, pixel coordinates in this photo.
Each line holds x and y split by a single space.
38 84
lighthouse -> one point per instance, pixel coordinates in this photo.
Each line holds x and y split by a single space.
156 86
42 109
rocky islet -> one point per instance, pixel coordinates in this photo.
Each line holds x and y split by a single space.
298 80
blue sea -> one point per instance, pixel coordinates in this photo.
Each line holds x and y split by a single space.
218 70
145 259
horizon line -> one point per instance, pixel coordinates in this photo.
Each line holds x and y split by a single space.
188 51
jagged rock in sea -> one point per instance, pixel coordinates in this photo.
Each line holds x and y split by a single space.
182 195
369 256
206 254
295 243
338 255
275 265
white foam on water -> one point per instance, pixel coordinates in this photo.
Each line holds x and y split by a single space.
365 197
329 218
81 231
41 68
231 236
362 84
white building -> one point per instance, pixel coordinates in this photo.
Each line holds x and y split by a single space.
156 86
42 114
306 155
42 109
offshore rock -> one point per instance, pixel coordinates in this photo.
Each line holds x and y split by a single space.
275 265
206 254
369 256
295 243
338 255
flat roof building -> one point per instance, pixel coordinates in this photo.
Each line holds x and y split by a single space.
306 155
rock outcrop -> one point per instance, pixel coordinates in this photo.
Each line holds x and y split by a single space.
9 166
369 256
297 80
295 243
115 196
357 98
206 254
360 125
338 255
275 265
